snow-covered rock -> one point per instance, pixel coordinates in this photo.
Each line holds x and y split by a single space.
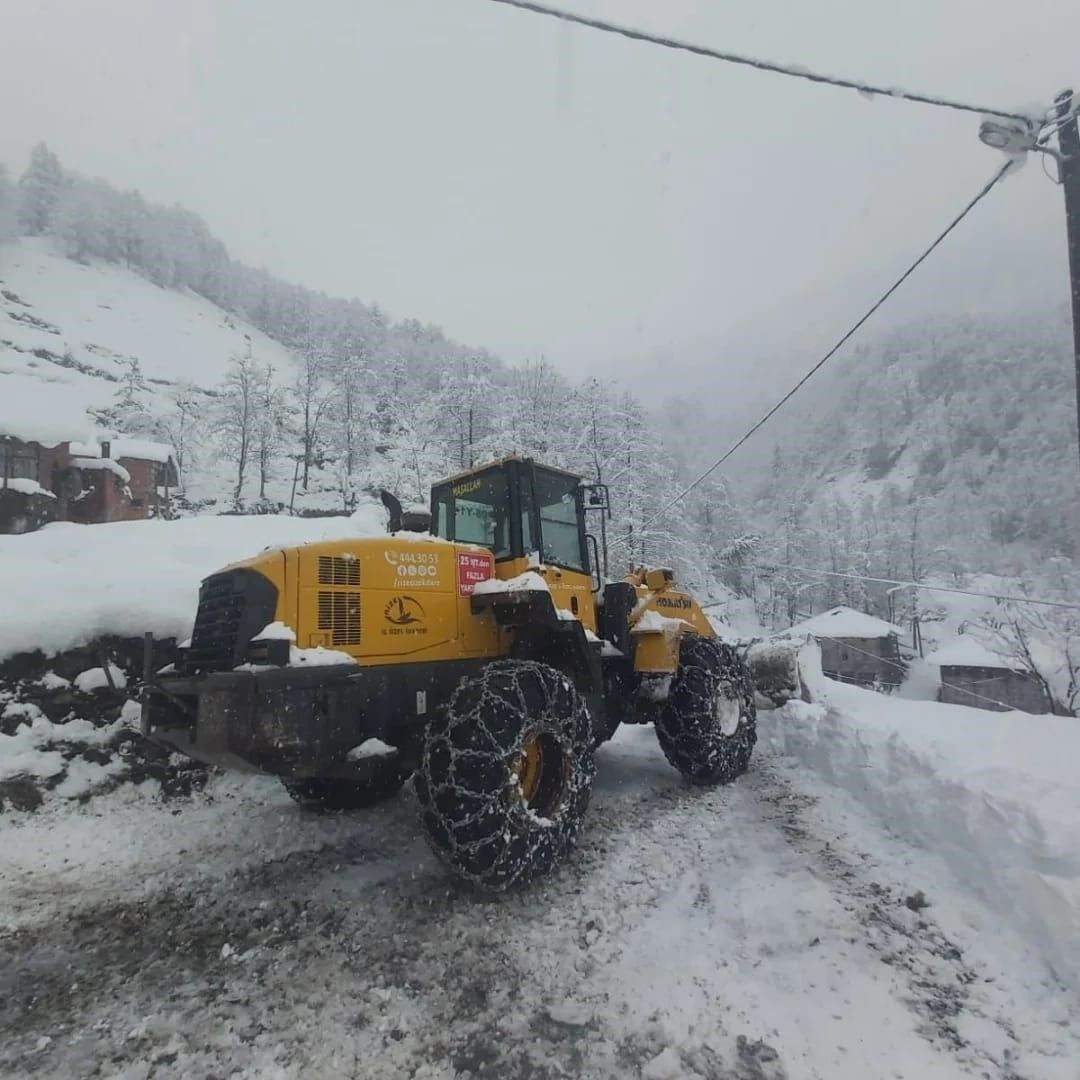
98 679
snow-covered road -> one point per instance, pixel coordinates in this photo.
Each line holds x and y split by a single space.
760 931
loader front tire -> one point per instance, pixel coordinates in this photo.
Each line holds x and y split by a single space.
380 781
707 726
505 773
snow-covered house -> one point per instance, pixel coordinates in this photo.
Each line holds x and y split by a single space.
855 647
973 675
98 480
54 466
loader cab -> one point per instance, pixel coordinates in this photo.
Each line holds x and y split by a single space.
517 509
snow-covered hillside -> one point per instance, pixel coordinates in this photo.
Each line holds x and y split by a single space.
70 333
102 317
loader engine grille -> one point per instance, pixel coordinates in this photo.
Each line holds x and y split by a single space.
233 607
335 570
339 614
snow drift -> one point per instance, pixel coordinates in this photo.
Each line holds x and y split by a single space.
68 584
994 794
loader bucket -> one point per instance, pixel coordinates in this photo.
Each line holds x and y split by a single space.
778 667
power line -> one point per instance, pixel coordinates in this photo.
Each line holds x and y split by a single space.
918 585
986 189
791 70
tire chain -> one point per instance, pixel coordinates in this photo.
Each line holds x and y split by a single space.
687 726
471 806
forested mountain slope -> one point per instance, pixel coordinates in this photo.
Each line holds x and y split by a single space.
948 446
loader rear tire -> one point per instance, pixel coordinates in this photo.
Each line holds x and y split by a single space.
325 793
708 725
506 771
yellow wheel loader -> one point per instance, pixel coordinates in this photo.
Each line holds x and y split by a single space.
485 656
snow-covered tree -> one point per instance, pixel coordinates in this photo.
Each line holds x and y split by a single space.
237 413
8 225
182 426
268 426
311 395
40 187
349 425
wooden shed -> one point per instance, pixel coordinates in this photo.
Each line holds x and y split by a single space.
855 647
973 675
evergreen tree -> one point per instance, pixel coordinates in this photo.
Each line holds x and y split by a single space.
7 206
40 187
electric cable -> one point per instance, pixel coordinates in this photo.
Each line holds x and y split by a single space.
984 191
790 70
917 585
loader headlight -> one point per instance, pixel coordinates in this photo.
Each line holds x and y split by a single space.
270 651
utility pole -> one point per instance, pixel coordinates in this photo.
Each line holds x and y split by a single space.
1069 166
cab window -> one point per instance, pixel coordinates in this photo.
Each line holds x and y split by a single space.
476 510
561 542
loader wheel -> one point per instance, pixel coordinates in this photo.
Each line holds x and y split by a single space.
332 793
707 727
506 772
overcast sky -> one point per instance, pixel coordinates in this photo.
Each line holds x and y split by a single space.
538 188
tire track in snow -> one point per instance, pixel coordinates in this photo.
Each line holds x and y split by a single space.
298 921
664 948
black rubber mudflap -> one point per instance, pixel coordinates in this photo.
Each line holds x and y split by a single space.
689 726
471 804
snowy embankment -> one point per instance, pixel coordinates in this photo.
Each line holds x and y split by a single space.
66 585
994 794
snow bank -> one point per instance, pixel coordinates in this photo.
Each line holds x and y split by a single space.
66 584
994 794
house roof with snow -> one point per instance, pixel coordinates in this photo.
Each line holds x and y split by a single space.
47 413
120 446
967 651
843 622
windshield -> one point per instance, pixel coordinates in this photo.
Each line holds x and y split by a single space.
561 541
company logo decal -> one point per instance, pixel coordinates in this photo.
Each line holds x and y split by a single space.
403 610
406 616
681 602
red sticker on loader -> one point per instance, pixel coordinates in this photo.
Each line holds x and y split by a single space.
471 570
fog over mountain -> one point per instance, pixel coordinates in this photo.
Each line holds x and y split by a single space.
542 189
